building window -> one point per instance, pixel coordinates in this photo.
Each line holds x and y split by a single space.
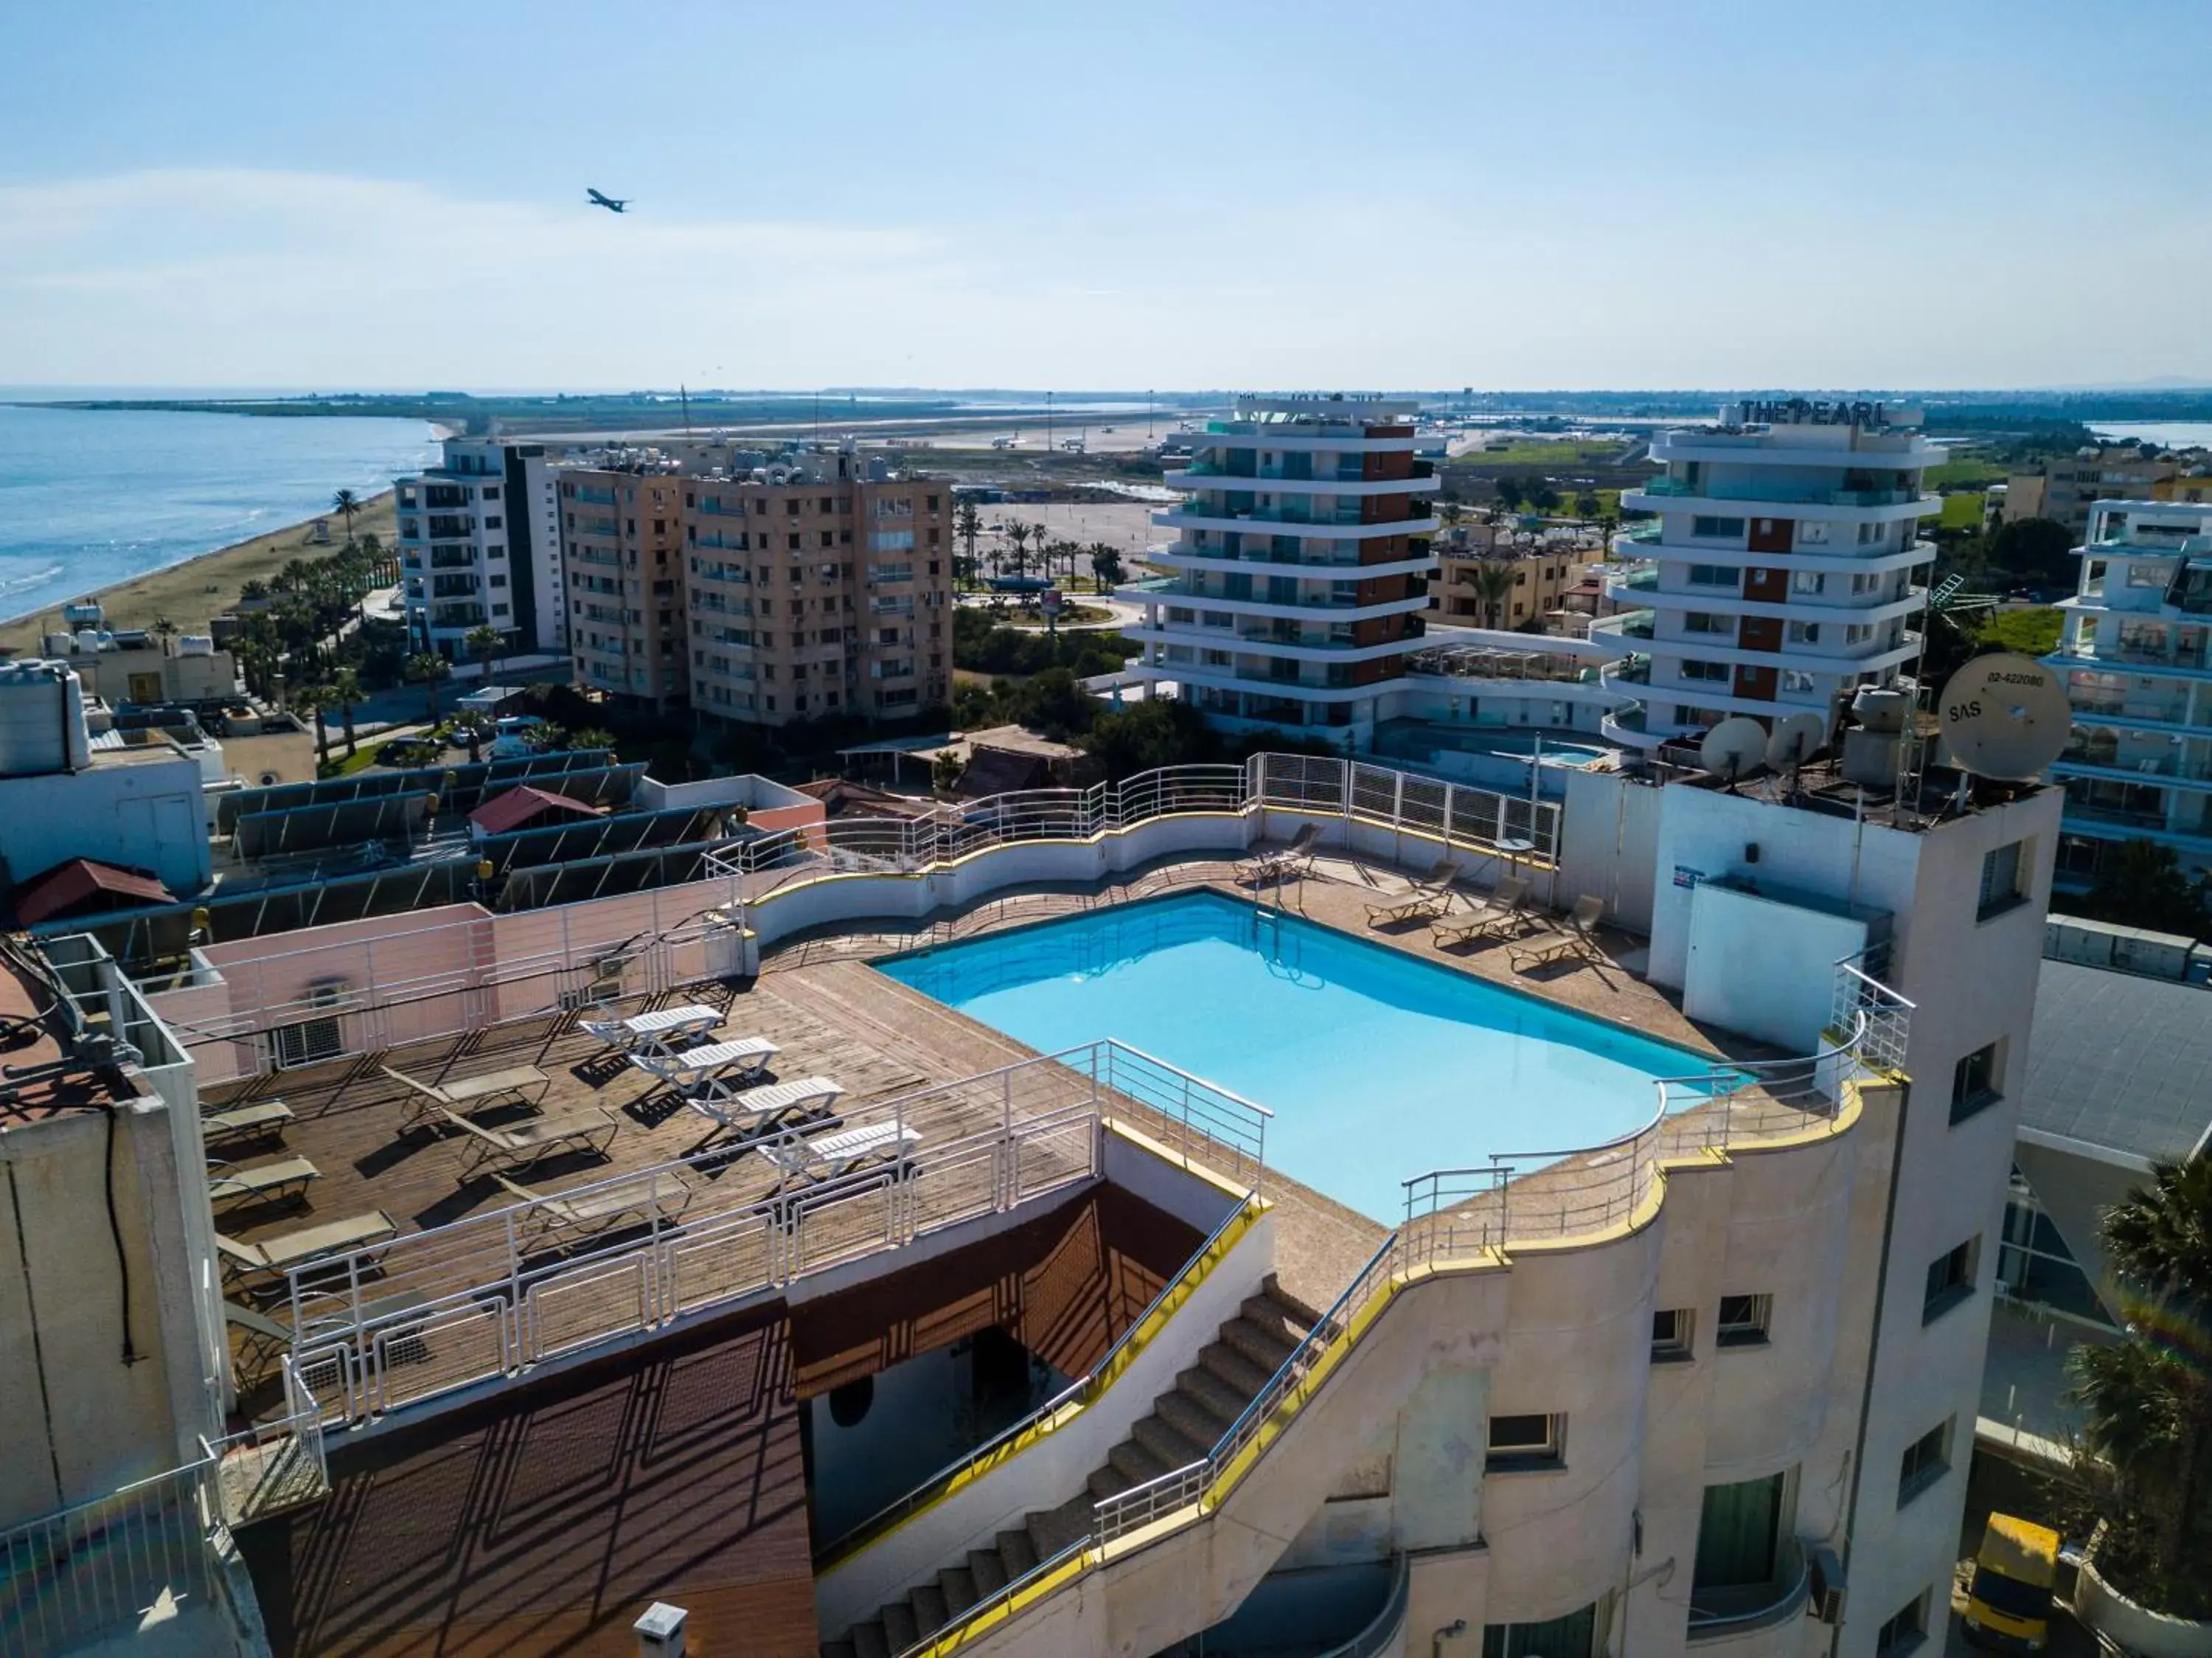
1796 679
1522 1443
1974 1082
1704 525
2001 879
1706 621
1743 1320
1926 1460
1904 1630
1739 1547
1807 581
1950 1279
1574 1635
1670 1334
1804 633
1811 534
1713 576
1718 671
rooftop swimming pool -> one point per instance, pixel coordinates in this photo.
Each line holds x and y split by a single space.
1377 1065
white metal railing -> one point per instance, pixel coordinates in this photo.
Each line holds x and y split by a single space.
93 1568
269 1465
549 960
483 1297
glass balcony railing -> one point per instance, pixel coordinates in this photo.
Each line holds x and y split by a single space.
1419 523
1717 1614
1778 493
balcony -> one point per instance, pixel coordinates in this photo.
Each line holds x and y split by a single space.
592 556
1629 670
1718 1614
1629 625
1639 577
1779 495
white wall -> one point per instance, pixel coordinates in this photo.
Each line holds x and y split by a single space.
1764 966
144 814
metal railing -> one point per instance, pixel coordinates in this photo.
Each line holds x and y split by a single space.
269 1466
93 1568
1729 1615
488 1296
1084 1391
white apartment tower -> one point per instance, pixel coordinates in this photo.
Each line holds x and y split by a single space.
480 545
1301 560
1780 571
2134 651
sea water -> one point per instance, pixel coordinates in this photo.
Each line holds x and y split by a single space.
90 497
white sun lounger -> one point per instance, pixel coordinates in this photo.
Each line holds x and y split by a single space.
771 1106
826 1156
716 1070
656 1032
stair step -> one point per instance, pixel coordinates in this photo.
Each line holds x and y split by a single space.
1265 1348
900 1628
1108 1481
1211 1391
869 1640
1052 1530
960 1589
1018 1552
1137 1464
1300 1314
931 1612
1193 1417
1160 1437
986 1568
1277 1319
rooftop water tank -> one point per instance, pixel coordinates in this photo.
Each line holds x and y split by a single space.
42 727
88 638
195 644
1881 709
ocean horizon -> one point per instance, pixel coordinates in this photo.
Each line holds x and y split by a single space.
92 497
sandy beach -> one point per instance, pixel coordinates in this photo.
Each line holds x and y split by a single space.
190 593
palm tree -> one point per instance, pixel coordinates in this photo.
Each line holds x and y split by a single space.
2145 1460
251 591
484 643
1493 585
294 577
592 736
348 503
164 630
1105 565
429 667
968 524
1017 532
314 699
345 690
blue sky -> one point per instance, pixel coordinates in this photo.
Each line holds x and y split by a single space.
1054 194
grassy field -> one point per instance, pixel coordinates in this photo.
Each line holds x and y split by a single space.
190 593
2030 632
1566 454
1963 511
1962 474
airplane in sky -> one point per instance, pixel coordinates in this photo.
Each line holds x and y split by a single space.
607 201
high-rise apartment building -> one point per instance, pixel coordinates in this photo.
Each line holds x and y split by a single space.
819 585
480 545
1301 562
2135 650
622 530
1780 571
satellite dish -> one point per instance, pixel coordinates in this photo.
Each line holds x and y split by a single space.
1733 747
2005 716
1797 738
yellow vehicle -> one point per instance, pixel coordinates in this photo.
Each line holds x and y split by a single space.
2008 1602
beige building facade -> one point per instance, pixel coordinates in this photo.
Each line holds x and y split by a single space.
622 541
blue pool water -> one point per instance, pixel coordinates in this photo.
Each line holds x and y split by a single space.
1377 1065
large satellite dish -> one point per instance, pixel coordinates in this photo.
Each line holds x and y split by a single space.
1733 747
1797 738
2005 716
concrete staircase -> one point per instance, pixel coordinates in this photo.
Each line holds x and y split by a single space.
1183 1426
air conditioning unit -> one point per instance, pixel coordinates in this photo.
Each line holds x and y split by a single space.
1826 1575
310 1041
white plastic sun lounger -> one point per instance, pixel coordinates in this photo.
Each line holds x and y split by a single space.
826 1156
773 1106
717 1071
656 1032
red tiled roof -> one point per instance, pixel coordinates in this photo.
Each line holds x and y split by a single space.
518 806
65 886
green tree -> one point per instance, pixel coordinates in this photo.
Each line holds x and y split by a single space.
427 667
250 591
1511 492
968 525
1588 505
945 771
1105 565
1542 496
310 700
1144 736
1493 586
2142 885
345 690
2144 1463
2036 551
1017 537
485 642
347 502
592 736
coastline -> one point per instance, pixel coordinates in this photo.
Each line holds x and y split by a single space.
192 590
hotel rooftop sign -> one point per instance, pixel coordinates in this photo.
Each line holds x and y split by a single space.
1806 411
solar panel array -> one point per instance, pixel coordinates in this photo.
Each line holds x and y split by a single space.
460 787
